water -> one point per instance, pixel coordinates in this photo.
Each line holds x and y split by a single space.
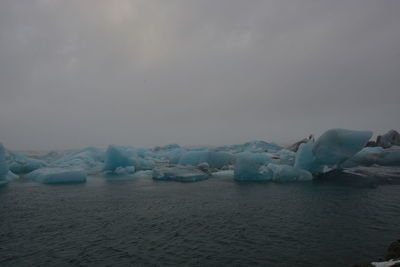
210 223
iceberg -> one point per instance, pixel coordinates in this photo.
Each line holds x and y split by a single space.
215 160
89 158
23 164
305 158
179 173
3 167
331 149
337 145
119 156
287 173
286 157
57 176
3 164
252 167
375 155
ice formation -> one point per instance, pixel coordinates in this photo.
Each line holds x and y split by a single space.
331 149
287 173
22 164
57 176
286 157
253 161
119 156
179 173
3 166
375 155
252 167
89 158
213 159
5 174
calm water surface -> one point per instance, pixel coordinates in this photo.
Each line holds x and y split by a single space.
210 223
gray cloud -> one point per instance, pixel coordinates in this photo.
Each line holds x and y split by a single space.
79 73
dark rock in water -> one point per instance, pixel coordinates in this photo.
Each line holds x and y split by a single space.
360 176
391 138
393 251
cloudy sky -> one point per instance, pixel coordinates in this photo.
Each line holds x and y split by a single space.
79 73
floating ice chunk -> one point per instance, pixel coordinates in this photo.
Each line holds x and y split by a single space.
88 158
174 155
57 176
214 159
142 164
3 164
337 145
252 167
286 157
305 158
286 173
375 155
22 164
118 157
179 174
331 149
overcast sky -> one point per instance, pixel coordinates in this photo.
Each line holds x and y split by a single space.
77 73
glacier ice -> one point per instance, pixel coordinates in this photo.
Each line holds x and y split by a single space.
179 173
375 155
119 156
3 166
286 157
305 158
252 167
89 158
23 164
57 175
3 163
337 145
287 173
331 149
213 159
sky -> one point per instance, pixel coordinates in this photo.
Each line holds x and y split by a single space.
79 73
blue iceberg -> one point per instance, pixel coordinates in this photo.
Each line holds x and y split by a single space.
57 176
215 160
331 149
89 158
3 166
23 164
375 155
119 156
252 167
287 173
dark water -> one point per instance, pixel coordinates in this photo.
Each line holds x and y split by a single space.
211 223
